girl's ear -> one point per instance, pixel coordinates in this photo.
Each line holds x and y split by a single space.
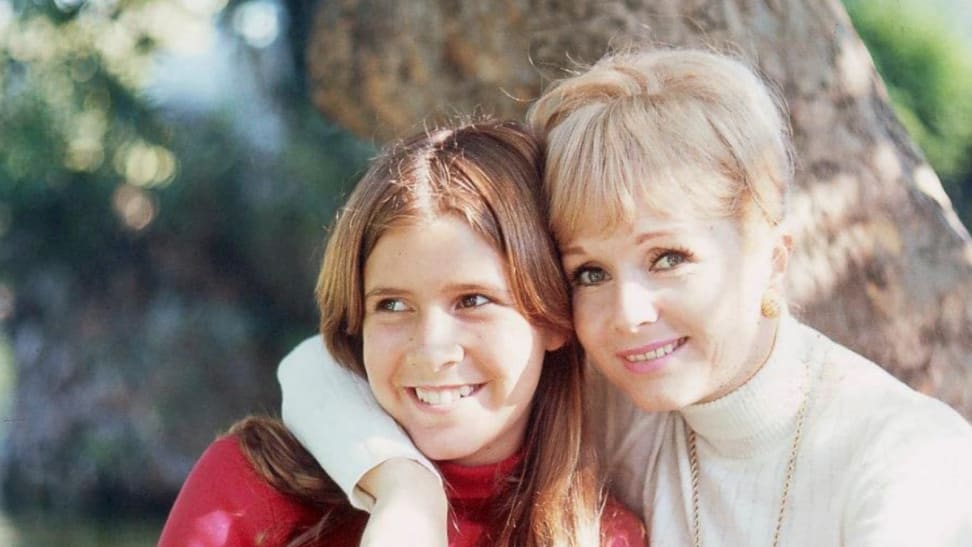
553 341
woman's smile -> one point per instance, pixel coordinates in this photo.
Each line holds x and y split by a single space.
651 357
668 308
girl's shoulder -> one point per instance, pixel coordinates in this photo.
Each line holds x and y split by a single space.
224 501
620 527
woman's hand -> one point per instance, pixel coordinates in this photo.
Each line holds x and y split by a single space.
410 506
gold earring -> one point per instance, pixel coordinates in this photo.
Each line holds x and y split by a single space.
770 305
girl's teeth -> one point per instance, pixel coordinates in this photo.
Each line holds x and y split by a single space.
443 396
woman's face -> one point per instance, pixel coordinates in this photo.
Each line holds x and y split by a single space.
447 352
668 309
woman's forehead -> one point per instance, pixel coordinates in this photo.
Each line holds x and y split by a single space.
682 194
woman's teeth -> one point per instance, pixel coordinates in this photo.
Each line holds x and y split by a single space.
441 396
657 352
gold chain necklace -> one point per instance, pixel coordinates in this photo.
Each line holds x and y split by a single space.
790 469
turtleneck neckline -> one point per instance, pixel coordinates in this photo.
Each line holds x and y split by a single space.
758 413
477 482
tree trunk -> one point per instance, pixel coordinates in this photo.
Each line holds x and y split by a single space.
882 263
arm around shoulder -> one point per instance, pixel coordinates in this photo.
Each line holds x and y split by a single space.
334 415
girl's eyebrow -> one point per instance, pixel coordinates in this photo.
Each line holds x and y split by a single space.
383 291
478 287
482 286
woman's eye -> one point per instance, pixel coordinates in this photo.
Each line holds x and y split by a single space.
472 301
669 260
589 276
391 304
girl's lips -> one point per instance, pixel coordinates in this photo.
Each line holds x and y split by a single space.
651 357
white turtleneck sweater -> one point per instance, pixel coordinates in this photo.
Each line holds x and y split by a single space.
878 464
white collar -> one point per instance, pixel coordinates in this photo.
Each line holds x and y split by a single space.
759 413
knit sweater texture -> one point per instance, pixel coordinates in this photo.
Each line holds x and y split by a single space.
878 464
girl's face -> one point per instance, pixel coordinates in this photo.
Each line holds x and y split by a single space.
447 352
668 309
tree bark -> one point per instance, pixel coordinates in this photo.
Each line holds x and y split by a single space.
882 263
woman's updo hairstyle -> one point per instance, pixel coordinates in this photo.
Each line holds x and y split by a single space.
685 131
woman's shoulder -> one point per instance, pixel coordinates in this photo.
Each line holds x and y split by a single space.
888 415
621 527
224 501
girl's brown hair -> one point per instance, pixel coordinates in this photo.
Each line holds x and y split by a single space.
489 174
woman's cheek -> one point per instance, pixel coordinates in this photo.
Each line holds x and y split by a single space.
586 314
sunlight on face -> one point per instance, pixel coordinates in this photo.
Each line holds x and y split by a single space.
447 353
668 308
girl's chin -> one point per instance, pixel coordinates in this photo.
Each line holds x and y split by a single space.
443 450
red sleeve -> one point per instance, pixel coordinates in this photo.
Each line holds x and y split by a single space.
225 503
620 527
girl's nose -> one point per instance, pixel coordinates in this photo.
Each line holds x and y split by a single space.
436 342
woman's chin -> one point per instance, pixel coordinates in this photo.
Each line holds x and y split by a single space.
664 395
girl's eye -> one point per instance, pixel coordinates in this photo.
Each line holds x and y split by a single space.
391 304
588 275
473 301
668 260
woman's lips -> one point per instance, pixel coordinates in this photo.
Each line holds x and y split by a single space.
652 356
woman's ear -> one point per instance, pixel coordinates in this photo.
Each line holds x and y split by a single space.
781 257
552 341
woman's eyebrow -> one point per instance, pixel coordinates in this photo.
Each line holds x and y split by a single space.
647 236
638 239
573 250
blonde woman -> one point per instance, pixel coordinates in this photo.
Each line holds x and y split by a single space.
723 420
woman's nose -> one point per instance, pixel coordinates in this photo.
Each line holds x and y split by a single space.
635 304
436 344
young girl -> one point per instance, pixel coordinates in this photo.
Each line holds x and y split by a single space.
441 286
723 419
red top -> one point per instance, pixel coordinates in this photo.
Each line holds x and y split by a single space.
224 502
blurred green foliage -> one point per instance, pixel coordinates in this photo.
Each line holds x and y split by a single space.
156 260
93 175
926 64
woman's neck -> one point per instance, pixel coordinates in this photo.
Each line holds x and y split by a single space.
762 349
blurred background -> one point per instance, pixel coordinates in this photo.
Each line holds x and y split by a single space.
165 184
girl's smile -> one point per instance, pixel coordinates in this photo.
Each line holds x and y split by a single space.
447 352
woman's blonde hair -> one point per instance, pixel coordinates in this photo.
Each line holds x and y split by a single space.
489 174
685 131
